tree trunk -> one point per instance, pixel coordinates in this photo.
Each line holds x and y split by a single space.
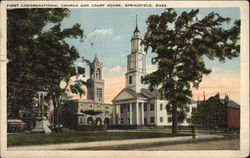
174 120
55 112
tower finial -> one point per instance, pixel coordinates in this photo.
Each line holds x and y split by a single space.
136 20
136 27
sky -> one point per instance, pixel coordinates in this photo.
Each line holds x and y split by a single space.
108 33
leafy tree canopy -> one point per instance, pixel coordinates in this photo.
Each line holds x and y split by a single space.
38 60
180 43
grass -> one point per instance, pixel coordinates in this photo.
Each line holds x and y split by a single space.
69 136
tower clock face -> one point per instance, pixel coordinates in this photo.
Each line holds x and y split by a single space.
132 62
140 61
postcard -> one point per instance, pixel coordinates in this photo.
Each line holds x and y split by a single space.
124 79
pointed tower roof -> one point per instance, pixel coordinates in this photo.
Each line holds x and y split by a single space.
96 60
136 28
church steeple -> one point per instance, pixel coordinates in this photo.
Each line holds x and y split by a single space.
136 66
136 40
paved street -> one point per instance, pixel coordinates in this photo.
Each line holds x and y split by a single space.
122 144
232 144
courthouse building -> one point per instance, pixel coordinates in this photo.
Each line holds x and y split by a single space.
136 104
93 110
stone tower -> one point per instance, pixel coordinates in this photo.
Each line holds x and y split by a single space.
95 82
136 63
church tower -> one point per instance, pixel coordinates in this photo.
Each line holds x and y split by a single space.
95 82
136 63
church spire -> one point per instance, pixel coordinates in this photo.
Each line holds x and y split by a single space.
136 28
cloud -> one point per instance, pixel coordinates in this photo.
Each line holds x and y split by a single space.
102 32
116 69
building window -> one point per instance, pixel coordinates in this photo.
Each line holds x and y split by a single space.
161 119
152 106
161 107
169 119
152 119
98 74
121 120
145 106
145 121
193 108
99 92
128 107
121 109
106 112
141 79
130 79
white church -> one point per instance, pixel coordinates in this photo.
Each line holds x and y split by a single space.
136 104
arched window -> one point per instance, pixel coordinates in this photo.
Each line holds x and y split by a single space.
141 79
98 73
130 80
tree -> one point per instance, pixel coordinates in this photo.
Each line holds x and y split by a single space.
77 88
180 52
38 60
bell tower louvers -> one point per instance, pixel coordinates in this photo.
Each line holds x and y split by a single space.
136 63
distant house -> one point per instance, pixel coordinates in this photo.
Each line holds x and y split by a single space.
233 114
217 112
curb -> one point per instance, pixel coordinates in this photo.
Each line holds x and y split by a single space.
120 144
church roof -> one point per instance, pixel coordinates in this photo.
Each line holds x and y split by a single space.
151 94
128 93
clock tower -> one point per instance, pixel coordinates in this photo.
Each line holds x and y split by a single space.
136 63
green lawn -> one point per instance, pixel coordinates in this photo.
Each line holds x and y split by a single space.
80 136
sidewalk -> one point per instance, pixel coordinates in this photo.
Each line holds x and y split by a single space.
97 144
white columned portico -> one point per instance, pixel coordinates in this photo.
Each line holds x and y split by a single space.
137 113
118 108
130 113
142 113
113 114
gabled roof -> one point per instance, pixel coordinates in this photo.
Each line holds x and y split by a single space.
127 93
123 95
233 104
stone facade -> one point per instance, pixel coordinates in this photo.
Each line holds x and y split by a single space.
90 111
86 112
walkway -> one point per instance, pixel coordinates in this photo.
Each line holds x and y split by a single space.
103 144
